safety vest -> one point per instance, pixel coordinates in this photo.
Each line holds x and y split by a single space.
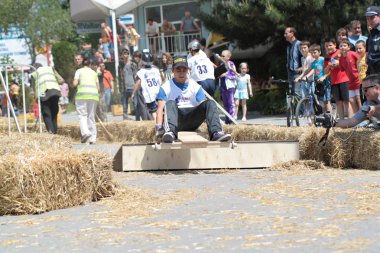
87 89
45 79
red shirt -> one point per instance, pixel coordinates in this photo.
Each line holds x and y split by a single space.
337 75
349 65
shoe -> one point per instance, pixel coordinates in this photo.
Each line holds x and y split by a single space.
92 142
235 117
244 119
168 137
85 138
220 136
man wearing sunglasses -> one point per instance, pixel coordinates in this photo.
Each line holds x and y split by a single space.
370 108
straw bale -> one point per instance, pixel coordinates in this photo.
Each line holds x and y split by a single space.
37 181
17 143
299 165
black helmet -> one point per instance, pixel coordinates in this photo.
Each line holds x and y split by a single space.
147 57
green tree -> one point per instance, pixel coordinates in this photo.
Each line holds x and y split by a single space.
43 21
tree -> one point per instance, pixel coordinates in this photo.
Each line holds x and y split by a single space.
248 23
43 21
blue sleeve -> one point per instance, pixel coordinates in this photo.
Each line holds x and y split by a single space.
200 96
161 95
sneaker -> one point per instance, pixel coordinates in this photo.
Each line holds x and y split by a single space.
244 119
92 142
85 138
168 137
220 136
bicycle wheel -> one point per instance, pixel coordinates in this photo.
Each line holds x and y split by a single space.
305 114
290 115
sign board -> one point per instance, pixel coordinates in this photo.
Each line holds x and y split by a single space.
89 27
127 19
13 44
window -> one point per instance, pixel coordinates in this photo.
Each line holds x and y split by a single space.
153 13
171 12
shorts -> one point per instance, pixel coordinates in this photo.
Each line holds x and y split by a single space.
354 93
63 100
152 107
340 91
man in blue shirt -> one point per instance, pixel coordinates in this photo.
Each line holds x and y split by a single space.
186 106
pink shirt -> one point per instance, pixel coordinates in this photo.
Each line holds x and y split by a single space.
349 65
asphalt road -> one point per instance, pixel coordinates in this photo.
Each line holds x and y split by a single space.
257 210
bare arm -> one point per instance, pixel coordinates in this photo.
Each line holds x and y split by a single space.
75 82
346 123
137 86
250 88
160 112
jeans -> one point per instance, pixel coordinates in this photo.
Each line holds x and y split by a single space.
107 93
125 95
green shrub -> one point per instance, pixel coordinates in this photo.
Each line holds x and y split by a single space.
270 102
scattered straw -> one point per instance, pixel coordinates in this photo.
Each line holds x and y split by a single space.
298 165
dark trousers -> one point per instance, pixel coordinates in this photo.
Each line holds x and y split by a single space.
189 119
49 109
125 95
209 86
141 112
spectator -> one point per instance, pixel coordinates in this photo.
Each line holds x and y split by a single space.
189 26
106 82
64 99
152 32
99 57
294 55
128 70
341 34
166 71
78 60
348 62
373 43
106 41
85 101
339 79
306 60
48 92
228 84
130 37
168 30
362 65
371 89
356 29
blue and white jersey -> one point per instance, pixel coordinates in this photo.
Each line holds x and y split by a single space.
150 83
201 68
185 95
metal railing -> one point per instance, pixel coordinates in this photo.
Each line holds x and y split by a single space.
174 44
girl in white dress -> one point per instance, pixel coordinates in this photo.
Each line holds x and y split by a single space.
242 89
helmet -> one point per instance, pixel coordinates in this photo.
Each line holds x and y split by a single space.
147 57
195 45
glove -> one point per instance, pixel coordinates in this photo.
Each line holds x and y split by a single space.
159 132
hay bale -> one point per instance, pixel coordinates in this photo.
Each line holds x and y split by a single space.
298 165
41 181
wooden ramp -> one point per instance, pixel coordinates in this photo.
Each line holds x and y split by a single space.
192 151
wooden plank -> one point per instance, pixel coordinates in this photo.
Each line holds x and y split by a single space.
191 137
244 155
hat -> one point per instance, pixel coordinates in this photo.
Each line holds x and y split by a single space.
180 61
372 11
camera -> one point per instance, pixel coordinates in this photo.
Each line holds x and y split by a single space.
325 120
366 108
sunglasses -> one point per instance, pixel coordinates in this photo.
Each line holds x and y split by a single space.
365 89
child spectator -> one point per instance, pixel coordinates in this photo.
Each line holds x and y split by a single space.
149 78
323 89
348 62
166 71
242 88
362 64
339 79
306 61
341 34
228 84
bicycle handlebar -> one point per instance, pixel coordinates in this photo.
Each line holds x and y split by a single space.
279 81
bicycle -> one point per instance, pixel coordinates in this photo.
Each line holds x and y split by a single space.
291 101
308 108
